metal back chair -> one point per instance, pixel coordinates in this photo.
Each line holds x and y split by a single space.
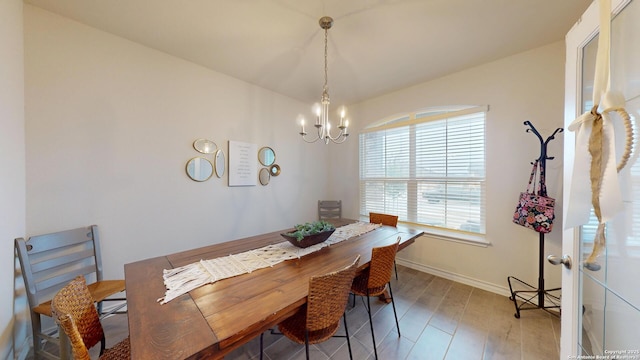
329 209
48 263
376 280
320 318
74 310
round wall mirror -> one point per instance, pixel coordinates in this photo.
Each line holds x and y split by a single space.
220 163
266 156
264 176
205 146
275 170
199 169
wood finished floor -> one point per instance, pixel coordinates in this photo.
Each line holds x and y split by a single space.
439 319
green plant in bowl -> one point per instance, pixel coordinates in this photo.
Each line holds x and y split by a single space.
309 234
312 228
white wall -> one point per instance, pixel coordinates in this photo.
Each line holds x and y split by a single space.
109 129
12 171
527 86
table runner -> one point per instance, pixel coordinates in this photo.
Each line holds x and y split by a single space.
181 280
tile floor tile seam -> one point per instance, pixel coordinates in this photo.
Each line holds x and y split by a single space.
369 351
329 356
468 313
484 346
556 336
521 339
522 334
415 298
437 308
444 356
267 346
437 311
402 285
432 303
412 346
455 332
464 309
319 349
426 324
366 324
431 327
441 284
484 342
423 289
280 340
403 288
353 334
294 354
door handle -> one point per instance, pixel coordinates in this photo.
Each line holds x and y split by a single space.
565 260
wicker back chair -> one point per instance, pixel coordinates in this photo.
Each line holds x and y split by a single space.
74 310
319 319
385 219
376 279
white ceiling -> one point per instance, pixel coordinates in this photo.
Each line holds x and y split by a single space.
375 46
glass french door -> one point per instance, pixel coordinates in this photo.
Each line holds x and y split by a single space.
601 309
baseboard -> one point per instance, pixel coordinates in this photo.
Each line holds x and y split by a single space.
480 284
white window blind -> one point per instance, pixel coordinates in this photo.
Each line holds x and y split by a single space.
428 168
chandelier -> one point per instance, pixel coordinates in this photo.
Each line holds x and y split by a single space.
322 124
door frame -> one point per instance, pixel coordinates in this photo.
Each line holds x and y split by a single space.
576 39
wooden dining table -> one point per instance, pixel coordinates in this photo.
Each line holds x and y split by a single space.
215 319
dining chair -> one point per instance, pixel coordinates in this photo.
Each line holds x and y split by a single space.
74 310
376 279
48 262
319 319
385 219
329 209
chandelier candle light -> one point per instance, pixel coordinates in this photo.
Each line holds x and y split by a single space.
322 111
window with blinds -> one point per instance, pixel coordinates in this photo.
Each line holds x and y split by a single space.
428 168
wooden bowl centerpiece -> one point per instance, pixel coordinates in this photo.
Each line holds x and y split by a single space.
309 234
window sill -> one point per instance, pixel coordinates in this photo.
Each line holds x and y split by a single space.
451 235
461 237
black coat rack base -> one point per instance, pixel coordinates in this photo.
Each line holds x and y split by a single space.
526 296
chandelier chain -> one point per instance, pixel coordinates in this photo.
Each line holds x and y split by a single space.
326 67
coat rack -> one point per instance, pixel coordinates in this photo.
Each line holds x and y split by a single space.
531 293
